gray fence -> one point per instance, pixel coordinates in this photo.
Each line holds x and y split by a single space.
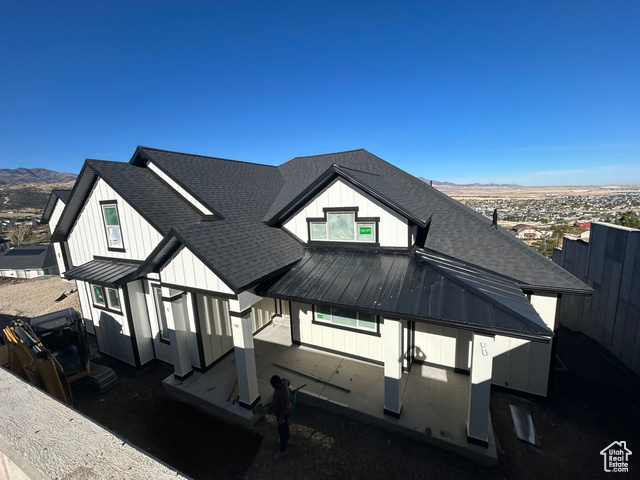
610 263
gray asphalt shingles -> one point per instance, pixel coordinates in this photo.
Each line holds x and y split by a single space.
244 250
455 229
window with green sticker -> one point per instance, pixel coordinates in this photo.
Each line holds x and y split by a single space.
98 296
343 226
366 232
346 318
112 225
113 298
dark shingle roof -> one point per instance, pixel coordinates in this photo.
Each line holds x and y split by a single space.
63 195
28 258
455 229
244 250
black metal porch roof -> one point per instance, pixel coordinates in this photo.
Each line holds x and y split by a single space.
423 286
108 273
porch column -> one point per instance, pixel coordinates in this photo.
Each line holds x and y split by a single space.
241 327
174 310
480 389
392 356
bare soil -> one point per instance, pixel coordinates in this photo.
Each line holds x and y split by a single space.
593 403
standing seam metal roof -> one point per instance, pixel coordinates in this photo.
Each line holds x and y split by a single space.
421 285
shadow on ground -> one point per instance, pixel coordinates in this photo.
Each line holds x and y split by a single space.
594 402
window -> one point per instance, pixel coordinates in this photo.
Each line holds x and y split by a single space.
162 319
105 297
343 226
346 318
112 225
98 296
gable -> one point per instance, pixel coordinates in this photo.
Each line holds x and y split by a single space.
87 237
394 230
186 270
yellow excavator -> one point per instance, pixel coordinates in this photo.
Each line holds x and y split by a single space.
51 352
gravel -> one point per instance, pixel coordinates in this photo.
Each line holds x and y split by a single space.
36 296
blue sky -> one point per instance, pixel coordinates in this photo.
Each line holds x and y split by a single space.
536 93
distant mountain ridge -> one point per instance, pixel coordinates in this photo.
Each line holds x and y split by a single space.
33 175
450 184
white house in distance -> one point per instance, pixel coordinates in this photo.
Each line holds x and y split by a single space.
184 257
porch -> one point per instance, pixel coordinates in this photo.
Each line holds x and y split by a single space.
435 401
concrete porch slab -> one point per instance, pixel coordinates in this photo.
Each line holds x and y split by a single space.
435 401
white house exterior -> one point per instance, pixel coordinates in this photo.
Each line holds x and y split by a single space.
184 258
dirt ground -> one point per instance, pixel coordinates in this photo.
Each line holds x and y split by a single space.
31 297
593 403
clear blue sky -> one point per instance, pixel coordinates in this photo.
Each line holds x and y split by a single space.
536 93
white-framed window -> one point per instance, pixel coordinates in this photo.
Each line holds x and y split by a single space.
346 318
111 220
342 226
163 328
105 297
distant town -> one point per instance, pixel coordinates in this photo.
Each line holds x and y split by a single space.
548 205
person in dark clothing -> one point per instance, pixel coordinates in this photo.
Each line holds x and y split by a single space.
281 408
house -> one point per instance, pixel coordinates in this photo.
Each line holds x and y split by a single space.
56 203
184 258
28 262
610 263
525 232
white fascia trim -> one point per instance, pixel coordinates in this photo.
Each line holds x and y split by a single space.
179 190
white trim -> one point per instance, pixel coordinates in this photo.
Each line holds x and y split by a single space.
178 189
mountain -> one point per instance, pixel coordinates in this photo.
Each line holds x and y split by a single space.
33 175
449 184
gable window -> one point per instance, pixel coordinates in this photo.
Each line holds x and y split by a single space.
106 298
112 225
343 225
162 318
346 318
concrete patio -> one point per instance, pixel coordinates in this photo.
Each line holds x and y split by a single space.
435 401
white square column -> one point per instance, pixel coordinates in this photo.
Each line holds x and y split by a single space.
241 327
480 389
392 356
175 312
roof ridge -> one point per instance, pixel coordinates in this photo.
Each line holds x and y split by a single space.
356 170
333 153
205 156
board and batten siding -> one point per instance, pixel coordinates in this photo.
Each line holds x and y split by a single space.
518 364
185 269
88 236
144 335
111 329
57 246
339 340
393 228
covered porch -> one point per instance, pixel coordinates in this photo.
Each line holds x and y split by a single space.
435 402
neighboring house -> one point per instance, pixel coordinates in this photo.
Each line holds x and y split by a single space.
4 243
184 257
525 232
7 222
52 211
28 262
610 263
